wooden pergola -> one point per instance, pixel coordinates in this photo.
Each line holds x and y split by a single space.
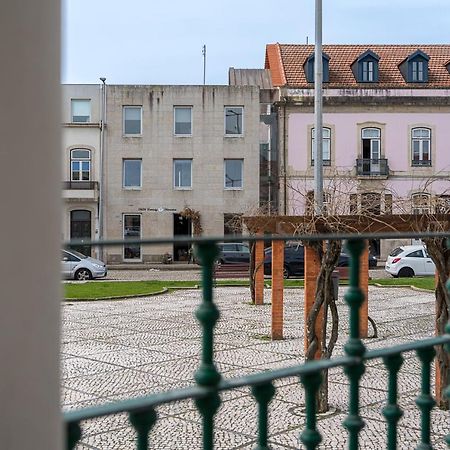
307 225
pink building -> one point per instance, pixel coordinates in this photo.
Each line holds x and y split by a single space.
386 130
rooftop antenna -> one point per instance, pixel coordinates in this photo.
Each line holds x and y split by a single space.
204 63
307 40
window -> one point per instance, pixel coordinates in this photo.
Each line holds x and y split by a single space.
132 230
132 173
421 146
132 120
443 204
415 68
234 120
80 165
183 120
365 68
233 174
182 173
326 146
81 111
371 203
309 68
416 254
421 204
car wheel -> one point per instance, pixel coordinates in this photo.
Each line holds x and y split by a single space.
406 272
83 275
286 273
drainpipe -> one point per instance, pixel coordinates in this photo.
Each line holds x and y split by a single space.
102 160
284 158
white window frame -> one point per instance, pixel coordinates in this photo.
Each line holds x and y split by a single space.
421 140
131 188
225 175
324 139
123 119
88 100
225 121
72 159
140 236
175 123
181 188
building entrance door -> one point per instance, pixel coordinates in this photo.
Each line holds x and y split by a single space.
80 229
182 226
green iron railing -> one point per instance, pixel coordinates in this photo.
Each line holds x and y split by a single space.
142 412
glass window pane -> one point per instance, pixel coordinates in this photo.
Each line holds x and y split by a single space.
183 121
132 173
368 133
233 173
326 150
233 120
81 110
132 120
81 154
182 173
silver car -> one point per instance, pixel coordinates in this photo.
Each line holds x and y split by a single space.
77 266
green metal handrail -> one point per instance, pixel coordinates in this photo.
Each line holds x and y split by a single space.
209 383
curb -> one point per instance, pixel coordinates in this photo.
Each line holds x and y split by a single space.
414 288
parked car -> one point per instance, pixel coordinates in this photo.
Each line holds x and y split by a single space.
408 261
294 261
77 266
231 252
344 260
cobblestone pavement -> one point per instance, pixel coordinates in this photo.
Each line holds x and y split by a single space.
122 349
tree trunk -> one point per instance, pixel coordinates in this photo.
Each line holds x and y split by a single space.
440 255
251 271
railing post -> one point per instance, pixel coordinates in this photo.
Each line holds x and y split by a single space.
208 315
354 346
143 421
263 394
425 401
391 411
310 436
73 435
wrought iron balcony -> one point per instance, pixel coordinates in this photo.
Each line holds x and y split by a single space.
85 185
421 163
372 167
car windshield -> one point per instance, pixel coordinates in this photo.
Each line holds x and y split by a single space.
78 254
396 251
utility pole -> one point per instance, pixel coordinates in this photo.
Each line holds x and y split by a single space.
318 121
204 63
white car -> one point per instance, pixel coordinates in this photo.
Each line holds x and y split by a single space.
77 266
408 261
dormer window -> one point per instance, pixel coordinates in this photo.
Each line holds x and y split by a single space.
415 68
309 68
365 68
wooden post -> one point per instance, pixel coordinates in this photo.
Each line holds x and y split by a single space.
259 275
312 268
364 285
277 289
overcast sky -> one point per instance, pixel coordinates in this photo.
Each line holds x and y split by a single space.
160 42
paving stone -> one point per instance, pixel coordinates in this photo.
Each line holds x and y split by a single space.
118 350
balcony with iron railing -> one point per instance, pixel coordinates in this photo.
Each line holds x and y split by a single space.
210 384
367 167
80 190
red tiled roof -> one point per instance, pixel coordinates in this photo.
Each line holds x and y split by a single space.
275 64
286 64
